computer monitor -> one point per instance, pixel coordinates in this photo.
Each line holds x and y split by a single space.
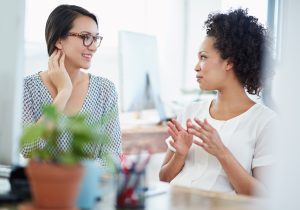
139 73
11 82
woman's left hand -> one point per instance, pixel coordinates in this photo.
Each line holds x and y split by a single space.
211 141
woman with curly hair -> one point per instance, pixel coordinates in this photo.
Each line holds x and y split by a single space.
224 144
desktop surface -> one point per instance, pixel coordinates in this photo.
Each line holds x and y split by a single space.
168 197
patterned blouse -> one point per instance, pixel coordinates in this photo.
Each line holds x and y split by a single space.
101 98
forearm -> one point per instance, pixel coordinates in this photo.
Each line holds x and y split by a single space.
170 170
60 102
241 180
61 99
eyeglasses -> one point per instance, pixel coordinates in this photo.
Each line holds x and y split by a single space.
87 39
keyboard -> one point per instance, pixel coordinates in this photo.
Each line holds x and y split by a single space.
5 171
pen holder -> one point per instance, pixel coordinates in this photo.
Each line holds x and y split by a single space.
131 189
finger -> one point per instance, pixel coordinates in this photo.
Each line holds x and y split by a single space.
50 65
202 124
202 131
193 126
172 134
207 124
173 144
53 54
201 144
189 123
55 60
62 60
196 133
50 61
173 127
177 124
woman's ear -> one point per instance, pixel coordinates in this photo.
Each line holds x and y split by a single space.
229 65
58 44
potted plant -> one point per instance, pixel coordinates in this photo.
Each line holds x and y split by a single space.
55 173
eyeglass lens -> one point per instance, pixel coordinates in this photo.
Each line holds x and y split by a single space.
88 40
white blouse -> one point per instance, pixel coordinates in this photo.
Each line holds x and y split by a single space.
248 136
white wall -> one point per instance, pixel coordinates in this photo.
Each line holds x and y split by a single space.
11 73
286 178
196 13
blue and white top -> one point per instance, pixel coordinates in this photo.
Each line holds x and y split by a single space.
101 98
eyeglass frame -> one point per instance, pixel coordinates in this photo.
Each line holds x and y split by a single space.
83 35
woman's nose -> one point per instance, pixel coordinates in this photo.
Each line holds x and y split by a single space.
197 67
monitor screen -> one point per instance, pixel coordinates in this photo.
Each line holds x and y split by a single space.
139 73
11 80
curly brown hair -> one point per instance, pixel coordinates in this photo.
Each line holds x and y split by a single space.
241 39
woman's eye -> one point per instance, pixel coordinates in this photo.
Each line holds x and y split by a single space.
203 57
87 37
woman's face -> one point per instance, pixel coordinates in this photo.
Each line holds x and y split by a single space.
77 55
211 68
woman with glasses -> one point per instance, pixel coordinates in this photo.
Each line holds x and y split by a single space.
72 39
224 144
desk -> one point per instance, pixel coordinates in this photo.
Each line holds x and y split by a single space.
182 198
143 131
150 136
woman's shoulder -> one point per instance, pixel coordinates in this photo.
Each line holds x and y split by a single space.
103 88
31 80
102 82
264 112
260 116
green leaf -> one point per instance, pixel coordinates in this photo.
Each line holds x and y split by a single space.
83 135
32 133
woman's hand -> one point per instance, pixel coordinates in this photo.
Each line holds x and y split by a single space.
57 72
182 139
211 141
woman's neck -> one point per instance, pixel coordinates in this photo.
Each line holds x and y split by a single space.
74 73
229 104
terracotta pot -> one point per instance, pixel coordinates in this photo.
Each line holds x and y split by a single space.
54 186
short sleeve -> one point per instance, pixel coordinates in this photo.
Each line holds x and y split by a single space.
264 147
27 115
112 124
27 118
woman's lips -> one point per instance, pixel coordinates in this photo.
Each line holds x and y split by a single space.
199 78
87 56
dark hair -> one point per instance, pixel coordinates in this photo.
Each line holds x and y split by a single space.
241 39
60 22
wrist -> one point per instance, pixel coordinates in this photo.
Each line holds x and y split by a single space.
179 156
223 155
65 92
61 100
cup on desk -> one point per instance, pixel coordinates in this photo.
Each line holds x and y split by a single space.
89 189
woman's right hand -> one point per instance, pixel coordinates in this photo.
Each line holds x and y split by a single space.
182 139
57 72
